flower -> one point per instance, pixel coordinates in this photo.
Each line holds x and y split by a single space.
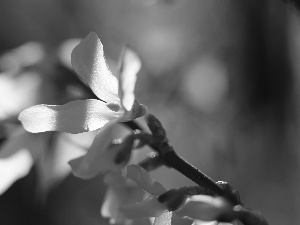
197 207
17 156
117 102
150 207
22 150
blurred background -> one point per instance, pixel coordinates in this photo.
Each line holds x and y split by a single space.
222 76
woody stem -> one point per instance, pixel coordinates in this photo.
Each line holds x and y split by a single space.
181 165
169 158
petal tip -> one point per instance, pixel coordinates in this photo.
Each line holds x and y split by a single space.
27 118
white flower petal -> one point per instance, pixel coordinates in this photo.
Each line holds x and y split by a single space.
73 117
130 64
89 63
147 208
121 191
143 178
204 207
14 167
164 219
97 159
110 208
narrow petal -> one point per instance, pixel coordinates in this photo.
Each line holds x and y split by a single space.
143 178
121 191
147 208
130 64
97 159
164 219
73 117
110 208
204 207
89 63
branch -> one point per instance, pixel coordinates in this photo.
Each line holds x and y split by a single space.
159 143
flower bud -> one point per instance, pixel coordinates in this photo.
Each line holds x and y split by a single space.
173 199
138 110
156 127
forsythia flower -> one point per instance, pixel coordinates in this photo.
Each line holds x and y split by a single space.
149 207
117 103
197 207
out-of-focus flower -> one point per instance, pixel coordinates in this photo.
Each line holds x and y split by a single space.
197 207
25 55
205 84
17 156
50 155
65 50
150 207
18 91
117 102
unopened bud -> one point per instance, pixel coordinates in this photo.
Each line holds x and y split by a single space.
156 127
138 110
173 199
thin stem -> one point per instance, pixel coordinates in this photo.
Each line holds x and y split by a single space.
175 161
171 159
159 142
178 163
